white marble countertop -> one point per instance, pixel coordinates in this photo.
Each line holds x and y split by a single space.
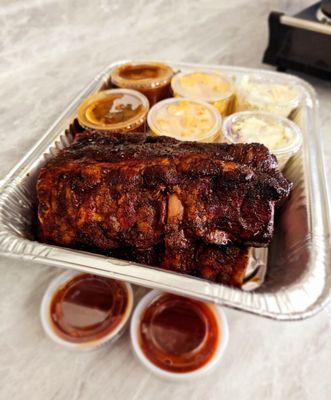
49 50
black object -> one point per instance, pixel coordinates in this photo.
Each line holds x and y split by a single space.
301 42
326 8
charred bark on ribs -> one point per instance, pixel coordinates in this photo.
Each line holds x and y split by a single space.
141 193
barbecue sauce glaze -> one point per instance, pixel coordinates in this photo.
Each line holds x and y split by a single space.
113 109
179 334
88 307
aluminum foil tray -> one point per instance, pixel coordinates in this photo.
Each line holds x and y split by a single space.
298 279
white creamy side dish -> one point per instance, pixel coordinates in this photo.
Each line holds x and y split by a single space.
282 136
256 130
255 93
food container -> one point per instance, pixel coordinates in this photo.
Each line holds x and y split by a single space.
210 86
114 110
151 78
298 278
185 119
282 136
84 312
276 94
199 336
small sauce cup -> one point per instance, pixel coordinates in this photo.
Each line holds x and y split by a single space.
114 110
178 338
83 312
282 136
185 119
151 78
209 86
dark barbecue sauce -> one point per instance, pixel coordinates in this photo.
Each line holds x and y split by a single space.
88 307
113 109
178 334
151 79
137 72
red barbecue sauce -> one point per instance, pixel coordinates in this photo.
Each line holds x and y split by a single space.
88 307
179 334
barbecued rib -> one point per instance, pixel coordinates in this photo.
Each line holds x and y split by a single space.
184 253
109 193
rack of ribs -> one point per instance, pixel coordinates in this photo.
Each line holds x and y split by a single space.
198 204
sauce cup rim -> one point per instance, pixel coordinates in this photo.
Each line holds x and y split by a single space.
177 376
91 344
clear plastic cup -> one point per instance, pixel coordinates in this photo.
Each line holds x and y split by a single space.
102 340
185 119
114 110
150 78
209 86
264 93
282 136
212 363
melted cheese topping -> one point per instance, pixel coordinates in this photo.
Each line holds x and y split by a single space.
203 85
184 120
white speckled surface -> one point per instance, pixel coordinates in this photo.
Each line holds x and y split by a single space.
49 50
